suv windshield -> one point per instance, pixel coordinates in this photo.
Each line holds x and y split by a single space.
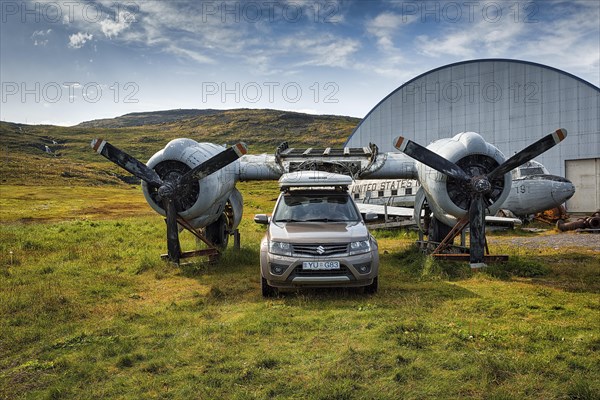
317 207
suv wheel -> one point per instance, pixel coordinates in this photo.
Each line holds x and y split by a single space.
372 288
267 290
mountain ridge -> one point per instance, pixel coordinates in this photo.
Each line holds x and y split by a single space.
159 117
142 118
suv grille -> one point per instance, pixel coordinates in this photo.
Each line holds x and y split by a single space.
320 250
343 271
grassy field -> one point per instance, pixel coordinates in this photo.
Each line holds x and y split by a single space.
88 310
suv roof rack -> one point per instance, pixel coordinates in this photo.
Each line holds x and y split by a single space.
345 160
313 179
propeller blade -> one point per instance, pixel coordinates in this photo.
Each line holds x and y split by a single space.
173 246
429 158
476 230
215 163
529 152
127 162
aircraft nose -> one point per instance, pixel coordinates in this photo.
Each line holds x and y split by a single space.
562 190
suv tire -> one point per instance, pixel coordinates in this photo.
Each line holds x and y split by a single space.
267 290
372 288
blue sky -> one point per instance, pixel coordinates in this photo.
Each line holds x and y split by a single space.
63 62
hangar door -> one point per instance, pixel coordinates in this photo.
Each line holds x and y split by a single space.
585 175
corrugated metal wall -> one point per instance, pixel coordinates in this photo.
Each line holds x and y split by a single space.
510 103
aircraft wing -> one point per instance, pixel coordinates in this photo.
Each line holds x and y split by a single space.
502 221
408 213
380 210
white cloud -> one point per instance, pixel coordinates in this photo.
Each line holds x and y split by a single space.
323 50
38 37
389 30
563 35
78 40
111 28
197 32
386 26
40 42
194 55
570 43
458 43
172 28
480 39
41 33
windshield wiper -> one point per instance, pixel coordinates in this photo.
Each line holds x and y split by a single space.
313 220
325 220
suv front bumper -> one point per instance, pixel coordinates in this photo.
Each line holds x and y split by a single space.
285 272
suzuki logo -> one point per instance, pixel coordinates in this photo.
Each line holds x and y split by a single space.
320 249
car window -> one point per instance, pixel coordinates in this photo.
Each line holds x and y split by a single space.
307 208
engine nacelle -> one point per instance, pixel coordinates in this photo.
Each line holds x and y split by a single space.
204 201
447 197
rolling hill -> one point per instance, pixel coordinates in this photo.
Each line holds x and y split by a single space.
54 155
146 118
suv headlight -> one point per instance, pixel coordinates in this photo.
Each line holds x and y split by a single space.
280 248
364 246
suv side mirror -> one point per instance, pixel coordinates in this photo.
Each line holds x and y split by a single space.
369 217
261 219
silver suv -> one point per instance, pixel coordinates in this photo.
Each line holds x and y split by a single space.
316 237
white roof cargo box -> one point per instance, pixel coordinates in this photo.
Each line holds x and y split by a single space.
313 179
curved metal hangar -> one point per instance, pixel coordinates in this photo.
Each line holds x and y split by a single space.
511 103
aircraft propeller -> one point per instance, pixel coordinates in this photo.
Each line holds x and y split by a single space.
171 186
478 186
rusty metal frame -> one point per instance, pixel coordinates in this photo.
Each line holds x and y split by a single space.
212 252
454 232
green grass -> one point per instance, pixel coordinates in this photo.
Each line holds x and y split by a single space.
88 310
27 204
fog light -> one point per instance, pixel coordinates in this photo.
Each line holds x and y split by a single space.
363 268
277 269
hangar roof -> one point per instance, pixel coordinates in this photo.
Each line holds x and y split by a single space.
511 103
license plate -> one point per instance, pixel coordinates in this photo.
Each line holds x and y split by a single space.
320 265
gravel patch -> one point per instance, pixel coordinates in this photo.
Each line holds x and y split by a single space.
555 240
